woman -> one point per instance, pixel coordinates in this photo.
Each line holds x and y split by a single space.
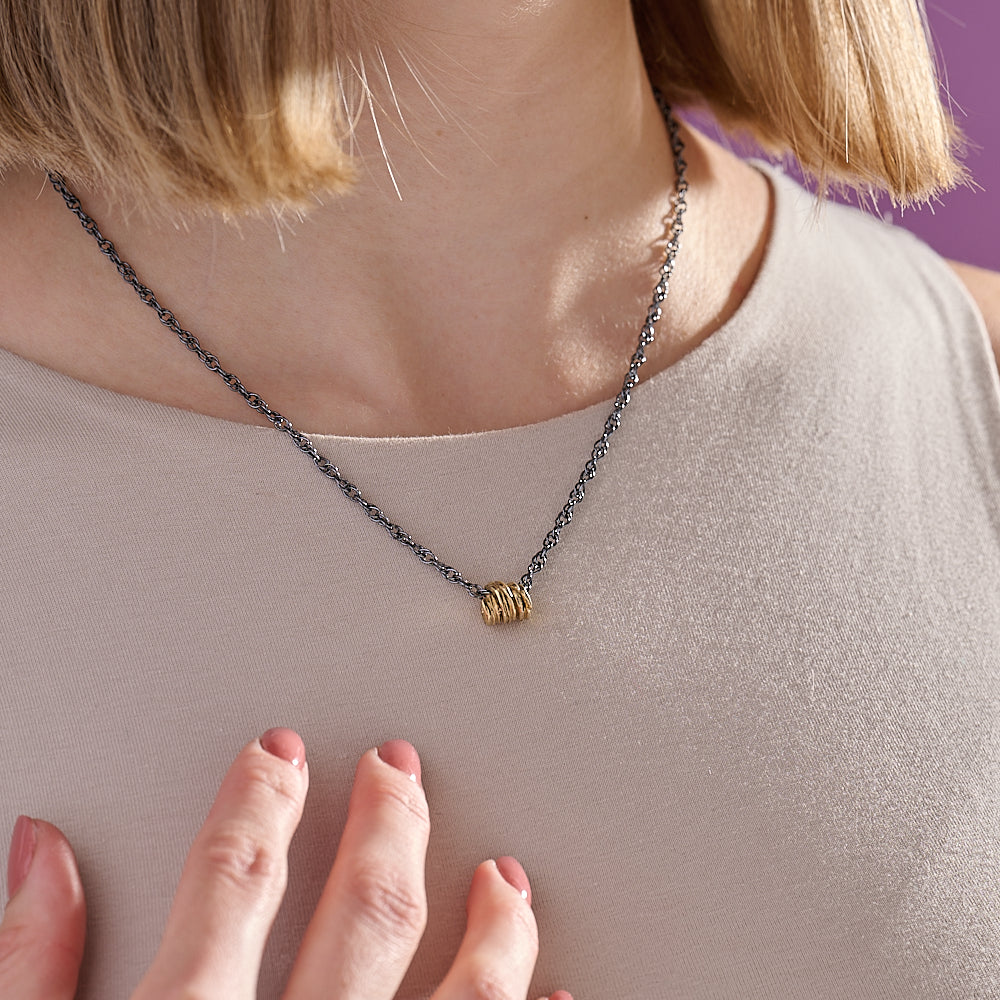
744 743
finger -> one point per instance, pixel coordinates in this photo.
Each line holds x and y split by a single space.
41 936
234 877
373 910
498 952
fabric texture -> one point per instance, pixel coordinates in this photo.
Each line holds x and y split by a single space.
748 744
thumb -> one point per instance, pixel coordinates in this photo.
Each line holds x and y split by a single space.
41 935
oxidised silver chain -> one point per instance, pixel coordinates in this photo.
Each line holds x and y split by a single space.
352 492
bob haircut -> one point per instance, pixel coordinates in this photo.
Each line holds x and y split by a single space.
240 105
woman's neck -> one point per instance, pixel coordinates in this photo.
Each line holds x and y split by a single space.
491 267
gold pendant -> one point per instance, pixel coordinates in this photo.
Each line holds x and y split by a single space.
505 602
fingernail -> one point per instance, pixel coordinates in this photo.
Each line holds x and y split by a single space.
286 744
22 850
401 755
560 995
513 873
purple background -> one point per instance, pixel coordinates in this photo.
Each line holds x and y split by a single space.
966 225
963 224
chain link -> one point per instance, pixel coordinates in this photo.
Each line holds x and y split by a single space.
281 423
638 359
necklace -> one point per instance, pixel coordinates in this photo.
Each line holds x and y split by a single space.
499 602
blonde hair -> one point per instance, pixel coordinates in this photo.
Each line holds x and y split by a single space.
236 105
849 87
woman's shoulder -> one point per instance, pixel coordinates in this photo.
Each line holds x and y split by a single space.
984 287
900 271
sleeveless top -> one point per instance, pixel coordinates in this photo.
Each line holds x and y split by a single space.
747 746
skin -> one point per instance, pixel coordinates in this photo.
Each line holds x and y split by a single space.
366 926
984 286
505 287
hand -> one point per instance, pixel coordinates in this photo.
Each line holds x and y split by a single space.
362 936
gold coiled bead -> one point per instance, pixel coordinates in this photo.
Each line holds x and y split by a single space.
505 602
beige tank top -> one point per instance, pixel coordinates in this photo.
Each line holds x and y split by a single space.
747 747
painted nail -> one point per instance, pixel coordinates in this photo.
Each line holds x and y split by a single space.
401 755
286 744
513 873
560 995
22 850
